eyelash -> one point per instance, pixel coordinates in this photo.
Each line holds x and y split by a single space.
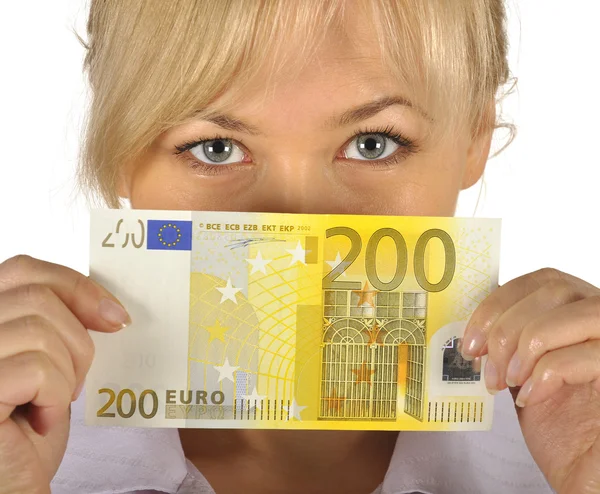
406 148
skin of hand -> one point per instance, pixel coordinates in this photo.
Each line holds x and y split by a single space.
541 335
45 353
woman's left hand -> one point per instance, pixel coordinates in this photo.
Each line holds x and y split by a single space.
541 333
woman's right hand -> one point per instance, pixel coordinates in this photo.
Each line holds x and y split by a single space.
45 353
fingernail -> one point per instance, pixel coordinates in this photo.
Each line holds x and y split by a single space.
77 391
113 313
524 393
476 365
512 373
491 377
473 344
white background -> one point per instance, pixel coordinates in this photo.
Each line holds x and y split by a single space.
544 186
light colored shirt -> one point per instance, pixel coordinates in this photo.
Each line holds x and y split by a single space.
127 460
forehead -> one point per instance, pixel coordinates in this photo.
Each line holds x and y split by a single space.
346 68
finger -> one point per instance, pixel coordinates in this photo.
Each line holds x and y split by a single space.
42 302
577 364
92 304
31 377
561 327
501 300
504 336
476 364
36 334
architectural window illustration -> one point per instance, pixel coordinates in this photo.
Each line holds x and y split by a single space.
455 368
368 338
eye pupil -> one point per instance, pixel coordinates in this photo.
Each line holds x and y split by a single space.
218 147
371 144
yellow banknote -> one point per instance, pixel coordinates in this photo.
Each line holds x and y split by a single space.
290 321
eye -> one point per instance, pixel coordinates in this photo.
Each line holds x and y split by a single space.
370 147
217 152
377 145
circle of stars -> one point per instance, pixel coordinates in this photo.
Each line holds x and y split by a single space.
163 241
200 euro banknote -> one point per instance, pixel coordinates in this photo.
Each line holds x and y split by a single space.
290 321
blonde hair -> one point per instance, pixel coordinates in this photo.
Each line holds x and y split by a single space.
153 64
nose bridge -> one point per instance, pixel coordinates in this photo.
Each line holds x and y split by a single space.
295 184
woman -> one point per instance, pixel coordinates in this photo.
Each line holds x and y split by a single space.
365 107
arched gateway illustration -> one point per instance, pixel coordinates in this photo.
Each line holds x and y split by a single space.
365 332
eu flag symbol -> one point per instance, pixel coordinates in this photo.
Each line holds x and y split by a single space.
169 235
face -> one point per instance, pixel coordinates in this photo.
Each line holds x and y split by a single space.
313 149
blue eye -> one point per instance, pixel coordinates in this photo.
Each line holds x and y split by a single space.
217 152
379 145
371 147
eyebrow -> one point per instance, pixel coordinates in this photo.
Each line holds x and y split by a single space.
348 117
368 110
